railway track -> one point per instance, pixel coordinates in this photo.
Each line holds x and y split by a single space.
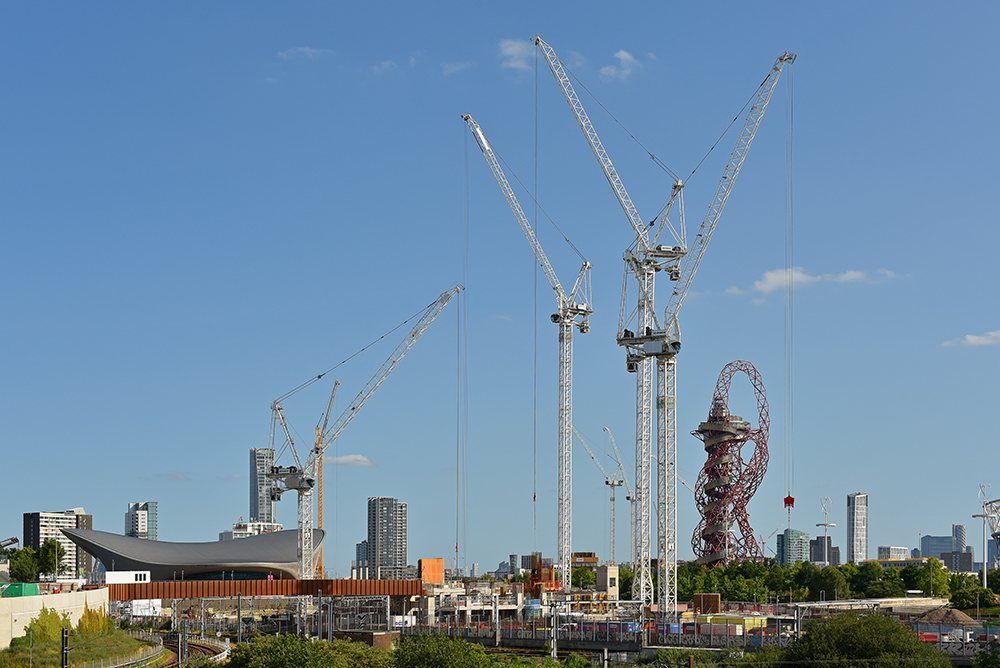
195 650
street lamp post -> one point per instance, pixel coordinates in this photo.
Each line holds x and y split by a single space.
983 516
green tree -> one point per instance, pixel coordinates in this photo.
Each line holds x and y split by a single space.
24 565
958 580
993 580
625 577
989 657
439 651
829 583
940 578
50 557
291 650
910 575
852 640
972 597
47 626
584 578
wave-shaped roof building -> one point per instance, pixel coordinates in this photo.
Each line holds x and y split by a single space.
254 557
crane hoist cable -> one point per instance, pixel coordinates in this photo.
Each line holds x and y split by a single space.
314 379
539 207
671 173
789 421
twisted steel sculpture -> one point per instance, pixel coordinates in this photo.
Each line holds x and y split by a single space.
726 482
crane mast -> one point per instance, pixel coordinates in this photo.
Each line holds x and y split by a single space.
302 478
654 347
320 472
571 313
612 481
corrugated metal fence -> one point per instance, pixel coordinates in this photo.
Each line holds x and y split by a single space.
231 588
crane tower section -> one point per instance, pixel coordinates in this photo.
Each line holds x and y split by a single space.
727 482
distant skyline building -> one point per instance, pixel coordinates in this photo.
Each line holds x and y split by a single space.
243 529
958 532
42 526
142 520
793 546
891 552
386 545
857 527
957 562
816 554
263 508
936 546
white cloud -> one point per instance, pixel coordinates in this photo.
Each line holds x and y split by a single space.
384 66
574 59
302 52
231 476
516 53
452 68
621 71
775 279
174 476
987 339
349 460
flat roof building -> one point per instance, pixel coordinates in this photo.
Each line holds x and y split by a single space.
142 520
42 526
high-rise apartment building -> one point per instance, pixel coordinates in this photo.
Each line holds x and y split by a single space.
40 527
386 549
793 546
142 520
857 527
262 506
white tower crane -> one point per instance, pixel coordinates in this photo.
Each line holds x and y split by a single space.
652 341
301 478
570 313
629 496
616 480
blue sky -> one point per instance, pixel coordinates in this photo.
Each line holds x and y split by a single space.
205 205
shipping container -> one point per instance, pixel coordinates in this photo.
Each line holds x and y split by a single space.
16 589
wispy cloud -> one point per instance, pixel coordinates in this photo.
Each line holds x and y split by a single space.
349 460
621 71
302 52
987 339
384 66
174 476
574 59
231 476
516 54
776 279
452 68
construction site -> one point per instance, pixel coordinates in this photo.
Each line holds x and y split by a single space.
264 577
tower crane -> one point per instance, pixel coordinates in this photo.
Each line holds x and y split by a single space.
7 542
616 480
654 342
570 313
302 477
629 496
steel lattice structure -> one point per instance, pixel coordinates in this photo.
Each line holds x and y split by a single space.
727 482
